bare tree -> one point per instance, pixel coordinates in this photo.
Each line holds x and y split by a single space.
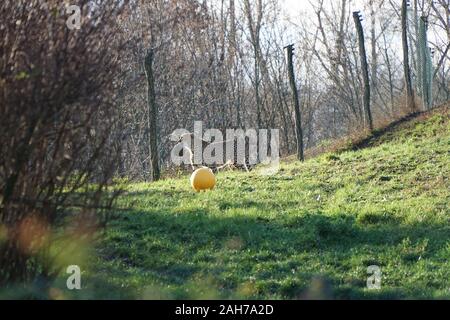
60 133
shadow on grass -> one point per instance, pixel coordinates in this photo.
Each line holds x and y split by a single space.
172 248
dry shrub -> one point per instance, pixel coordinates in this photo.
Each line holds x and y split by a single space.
58 129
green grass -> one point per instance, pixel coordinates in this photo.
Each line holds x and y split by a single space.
310 231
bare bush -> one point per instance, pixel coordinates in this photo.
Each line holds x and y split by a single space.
57 128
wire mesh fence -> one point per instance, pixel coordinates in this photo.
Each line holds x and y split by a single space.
422 66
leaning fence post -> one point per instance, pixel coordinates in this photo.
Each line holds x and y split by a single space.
155 172
365 69
298 119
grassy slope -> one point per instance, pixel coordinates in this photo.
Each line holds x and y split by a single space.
310 231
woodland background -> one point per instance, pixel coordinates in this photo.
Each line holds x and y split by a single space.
83 110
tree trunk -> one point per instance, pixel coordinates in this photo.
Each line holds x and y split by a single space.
155 172
373 40
409 90
389 70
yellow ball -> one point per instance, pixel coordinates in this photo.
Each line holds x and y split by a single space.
203 179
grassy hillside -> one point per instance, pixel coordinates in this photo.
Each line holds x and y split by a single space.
309 232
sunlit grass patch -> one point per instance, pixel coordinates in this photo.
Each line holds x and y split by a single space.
311 231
